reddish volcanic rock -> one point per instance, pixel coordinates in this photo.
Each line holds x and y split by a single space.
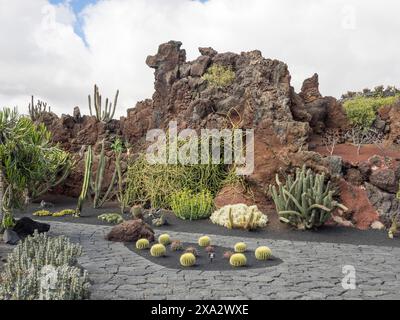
131 231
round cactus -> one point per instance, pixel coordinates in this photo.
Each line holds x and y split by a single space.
204 241
142 244
238 260
240 247
176 245
187 260
192 250
164 239
158 250
263 253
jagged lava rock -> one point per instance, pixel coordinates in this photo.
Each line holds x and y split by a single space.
131 231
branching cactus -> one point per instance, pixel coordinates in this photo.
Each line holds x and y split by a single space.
36 110
305 201
106 114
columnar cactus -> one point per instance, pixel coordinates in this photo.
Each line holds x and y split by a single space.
306 201
86 181
107 114
36 110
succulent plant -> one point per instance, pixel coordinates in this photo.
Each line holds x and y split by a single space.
103 113
164 239
188 260
176 245
42 213
158 250
62 213
210 249
238 260
142 244
32 259
192 250
263 253
137 212
228 254
204 241
240 247
114 218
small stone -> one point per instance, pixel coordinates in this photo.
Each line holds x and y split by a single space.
377 225
10 237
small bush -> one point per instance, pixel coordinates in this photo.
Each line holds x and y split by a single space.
361 111
113 218
192 206
219 76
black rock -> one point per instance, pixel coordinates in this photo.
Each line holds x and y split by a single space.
26 227
10 237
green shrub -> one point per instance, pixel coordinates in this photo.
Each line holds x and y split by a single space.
192 206
113 218
361 111
155 183
305 201
219 76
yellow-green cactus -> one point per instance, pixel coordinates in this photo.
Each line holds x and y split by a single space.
263 253
42 213
142 244
240 247
164 239
204 241
187 260
158 250
62 213
238 260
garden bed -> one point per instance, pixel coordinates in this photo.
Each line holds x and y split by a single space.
203 263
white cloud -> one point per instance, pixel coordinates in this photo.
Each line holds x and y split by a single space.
350 43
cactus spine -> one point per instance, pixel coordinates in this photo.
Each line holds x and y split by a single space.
86 181
306 201
107 114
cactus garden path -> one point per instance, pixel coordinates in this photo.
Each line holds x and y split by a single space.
309 270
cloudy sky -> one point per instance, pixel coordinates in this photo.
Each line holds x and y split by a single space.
58 49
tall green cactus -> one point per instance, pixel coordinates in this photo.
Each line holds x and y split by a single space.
305 201
107 114
36 110
86 181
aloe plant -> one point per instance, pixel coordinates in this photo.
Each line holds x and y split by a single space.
306 200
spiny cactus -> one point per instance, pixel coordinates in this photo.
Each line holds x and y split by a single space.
228 254
187 260
164 239
238 260
239 216
306 201
113 218
25 270
86 181
65 212
158 250
142 244
192 250
263 253
42 213
36 110
107 114
240 247
204 241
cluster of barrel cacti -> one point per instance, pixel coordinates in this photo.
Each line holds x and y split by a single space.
105 114
34 260
306 200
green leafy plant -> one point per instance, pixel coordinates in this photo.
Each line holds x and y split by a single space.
188 205
105 114
32 259
63 213
113 218
305 201
42 213
30 164
218 76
